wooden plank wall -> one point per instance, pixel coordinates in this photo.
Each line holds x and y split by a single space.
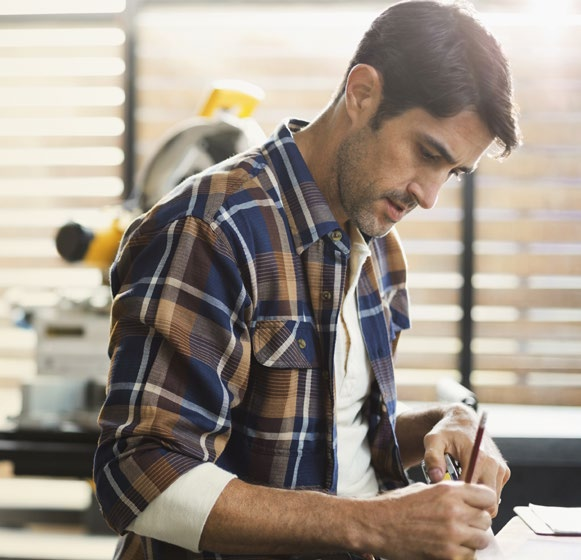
527 284
528 245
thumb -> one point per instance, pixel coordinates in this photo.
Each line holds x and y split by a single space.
435 462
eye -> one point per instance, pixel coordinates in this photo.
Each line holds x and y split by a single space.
427 155
436 159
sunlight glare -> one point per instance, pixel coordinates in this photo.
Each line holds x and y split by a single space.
551 15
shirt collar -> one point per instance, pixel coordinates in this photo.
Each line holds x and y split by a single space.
309 215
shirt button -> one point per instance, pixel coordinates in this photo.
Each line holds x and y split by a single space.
302 343
336 235
327 295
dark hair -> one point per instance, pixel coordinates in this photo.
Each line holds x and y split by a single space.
441 58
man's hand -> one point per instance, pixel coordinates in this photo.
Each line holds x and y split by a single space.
455 434
446 520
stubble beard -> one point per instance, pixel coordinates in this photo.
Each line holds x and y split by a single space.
355 196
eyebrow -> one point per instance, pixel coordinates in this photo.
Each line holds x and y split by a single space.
443 151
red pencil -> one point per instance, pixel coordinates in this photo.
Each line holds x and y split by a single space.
476 447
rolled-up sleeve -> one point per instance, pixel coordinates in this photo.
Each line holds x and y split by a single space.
179 359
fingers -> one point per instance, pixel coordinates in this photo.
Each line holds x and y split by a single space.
471 519
435 464
502 476
481 520
478 540
478 496
454 434
493 472
434 456
465 515
449 520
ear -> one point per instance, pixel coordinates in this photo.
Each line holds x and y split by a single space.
362 92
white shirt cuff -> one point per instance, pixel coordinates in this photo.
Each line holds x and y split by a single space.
179 513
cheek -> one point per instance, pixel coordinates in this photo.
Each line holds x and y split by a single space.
392 164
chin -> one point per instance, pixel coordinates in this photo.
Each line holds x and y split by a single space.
385 231
376 230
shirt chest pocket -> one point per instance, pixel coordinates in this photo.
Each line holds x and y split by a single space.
286 344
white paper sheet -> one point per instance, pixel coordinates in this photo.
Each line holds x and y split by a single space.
561 520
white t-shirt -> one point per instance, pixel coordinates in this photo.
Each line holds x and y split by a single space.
353 377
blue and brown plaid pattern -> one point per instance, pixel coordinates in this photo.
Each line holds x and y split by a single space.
226 300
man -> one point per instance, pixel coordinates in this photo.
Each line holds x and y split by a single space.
251 407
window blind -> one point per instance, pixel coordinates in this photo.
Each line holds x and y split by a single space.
61 156
527 314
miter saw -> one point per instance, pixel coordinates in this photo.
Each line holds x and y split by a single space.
72 335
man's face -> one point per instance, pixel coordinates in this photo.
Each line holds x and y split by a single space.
381 175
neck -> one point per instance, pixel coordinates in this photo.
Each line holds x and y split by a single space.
318 143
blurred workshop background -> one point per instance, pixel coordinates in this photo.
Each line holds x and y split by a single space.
89 89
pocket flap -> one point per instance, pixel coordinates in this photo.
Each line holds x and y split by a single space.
286 344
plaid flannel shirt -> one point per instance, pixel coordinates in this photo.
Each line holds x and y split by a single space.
226 300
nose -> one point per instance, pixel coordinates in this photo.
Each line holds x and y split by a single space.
425 193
